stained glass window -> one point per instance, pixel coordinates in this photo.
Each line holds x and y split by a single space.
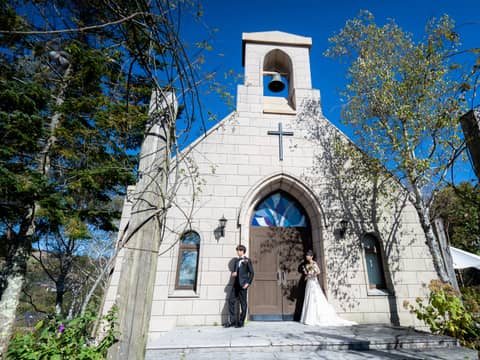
279 209
191 238
373 259
188 261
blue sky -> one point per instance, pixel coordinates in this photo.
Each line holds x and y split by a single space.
319 20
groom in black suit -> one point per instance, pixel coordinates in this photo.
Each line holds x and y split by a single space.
243 276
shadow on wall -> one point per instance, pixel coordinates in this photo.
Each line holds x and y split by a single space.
228 288
355 189
218 233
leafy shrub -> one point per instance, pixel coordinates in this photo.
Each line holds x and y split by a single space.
56 339
447 314
471 297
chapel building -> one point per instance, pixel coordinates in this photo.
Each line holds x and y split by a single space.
275 178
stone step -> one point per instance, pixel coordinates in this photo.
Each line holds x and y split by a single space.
457 353
291 337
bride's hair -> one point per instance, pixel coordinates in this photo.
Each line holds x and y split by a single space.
309 253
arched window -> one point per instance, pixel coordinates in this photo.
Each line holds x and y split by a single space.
279 209
373 259
187 268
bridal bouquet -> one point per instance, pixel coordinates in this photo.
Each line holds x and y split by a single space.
309 270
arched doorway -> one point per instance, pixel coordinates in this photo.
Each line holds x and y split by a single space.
280 233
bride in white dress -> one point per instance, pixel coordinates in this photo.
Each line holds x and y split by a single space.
316 309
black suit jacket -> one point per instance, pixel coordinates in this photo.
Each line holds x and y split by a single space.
244 271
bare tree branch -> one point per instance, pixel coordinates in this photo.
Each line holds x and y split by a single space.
86 28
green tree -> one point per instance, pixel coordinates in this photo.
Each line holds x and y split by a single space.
75 86
23 105
403 101
459 207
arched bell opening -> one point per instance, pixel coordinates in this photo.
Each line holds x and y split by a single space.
278 81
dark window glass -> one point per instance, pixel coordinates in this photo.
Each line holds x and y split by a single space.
187 268
373 259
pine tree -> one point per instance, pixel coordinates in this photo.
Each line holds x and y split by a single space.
75 83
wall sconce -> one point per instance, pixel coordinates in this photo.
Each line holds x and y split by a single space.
222 223
342 228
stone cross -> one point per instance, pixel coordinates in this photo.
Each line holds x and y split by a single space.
280 134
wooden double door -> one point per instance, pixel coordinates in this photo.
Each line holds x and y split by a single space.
278 288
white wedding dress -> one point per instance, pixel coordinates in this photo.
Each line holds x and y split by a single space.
316 309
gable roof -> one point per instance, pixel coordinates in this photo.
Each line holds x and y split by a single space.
274 37
277 37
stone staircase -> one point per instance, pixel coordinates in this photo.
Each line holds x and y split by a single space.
292 340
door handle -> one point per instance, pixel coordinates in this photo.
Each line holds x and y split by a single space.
279 277
284 279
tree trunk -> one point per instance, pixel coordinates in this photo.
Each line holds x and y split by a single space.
11 246
424 215
60 288
16 274
65 261
71 309
11 295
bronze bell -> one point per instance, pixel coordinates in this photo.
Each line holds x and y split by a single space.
276 84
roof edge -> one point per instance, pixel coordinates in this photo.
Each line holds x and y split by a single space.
206 134
274 38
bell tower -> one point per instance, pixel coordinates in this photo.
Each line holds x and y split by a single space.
277 71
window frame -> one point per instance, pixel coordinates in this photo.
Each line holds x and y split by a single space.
187 247
376 250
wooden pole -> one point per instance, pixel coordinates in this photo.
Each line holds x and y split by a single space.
137 276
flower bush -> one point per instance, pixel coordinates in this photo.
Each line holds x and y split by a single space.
57 339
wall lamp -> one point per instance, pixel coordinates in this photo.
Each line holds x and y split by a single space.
222 223
342 228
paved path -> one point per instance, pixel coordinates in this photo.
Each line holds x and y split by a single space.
291 340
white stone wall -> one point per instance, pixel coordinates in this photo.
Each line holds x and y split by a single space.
411 267
243 154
